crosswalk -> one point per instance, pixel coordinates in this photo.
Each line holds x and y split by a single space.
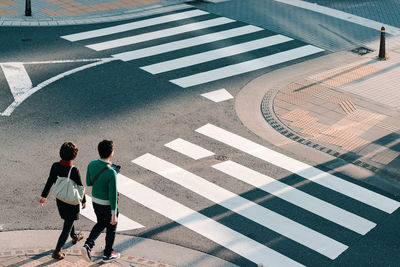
299 232
246 47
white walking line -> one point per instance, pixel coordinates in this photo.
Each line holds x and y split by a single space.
56 61
302 169
133 25
297 197
159 34
190 42
189 149
40 86
202 225
207 56
124 223
247 66
376 25
17 78
218 95
263 216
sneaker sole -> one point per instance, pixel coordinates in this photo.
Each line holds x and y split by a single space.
85 255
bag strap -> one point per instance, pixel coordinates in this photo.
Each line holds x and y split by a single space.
97 176
70 169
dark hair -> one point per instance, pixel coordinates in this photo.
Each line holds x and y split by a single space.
105 147
68 151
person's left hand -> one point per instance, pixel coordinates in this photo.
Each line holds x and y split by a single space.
42 201
83 205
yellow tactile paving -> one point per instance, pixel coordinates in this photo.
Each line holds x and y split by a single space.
346 75
73 8
295 114
315 129
386 156
304 122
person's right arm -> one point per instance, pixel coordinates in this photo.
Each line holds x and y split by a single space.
50 181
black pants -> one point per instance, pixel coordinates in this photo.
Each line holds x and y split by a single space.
68 228
103 214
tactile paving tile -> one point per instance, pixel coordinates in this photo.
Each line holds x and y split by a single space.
315 129
303 122
31 263
388 126
290 98
346 75
386 156
295 114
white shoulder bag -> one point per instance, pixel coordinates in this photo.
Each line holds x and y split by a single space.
68 191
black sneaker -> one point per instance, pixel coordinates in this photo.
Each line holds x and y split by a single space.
112 257
86 253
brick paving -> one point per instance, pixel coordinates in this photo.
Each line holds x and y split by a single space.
349 109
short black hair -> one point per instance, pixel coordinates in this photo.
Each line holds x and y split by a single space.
68 151
105 147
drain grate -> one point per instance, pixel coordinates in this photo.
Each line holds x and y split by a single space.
362 51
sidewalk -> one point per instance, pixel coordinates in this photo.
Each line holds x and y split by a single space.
73 12
351 111
33 248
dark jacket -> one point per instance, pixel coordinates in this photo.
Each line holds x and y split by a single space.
66 211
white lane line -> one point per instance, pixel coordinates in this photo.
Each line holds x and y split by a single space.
297 197
218 95
17 78
189 149
302 169
232 50
247 66
133 25
124 223
10 109
341 15
159 34
202 225
190 42
263 216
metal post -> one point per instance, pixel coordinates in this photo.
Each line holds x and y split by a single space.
28 10
382 50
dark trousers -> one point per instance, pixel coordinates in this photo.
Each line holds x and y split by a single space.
103 214
68 228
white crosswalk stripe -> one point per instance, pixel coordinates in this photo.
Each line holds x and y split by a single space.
133 25
302 169
228 238
215 54
190 42
207 31
159 34
267 218
296 197
202 225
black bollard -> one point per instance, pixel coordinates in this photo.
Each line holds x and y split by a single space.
28 10
382 50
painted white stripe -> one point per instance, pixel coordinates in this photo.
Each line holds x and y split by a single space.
215 54
265 217
124 223
247 66
190 42
341 15
159 34
10 109
133 25
17 78
218 95
202 225
297 197
189 149
302 169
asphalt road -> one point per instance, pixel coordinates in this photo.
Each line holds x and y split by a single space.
142 112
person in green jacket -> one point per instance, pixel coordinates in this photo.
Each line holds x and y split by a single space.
103 178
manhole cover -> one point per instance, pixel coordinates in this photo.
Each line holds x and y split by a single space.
221 157
362 51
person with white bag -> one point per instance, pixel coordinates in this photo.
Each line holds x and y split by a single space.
69 192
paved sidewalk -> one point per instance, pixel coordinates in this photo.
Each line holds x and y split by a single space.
33 248
350 111
72 12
